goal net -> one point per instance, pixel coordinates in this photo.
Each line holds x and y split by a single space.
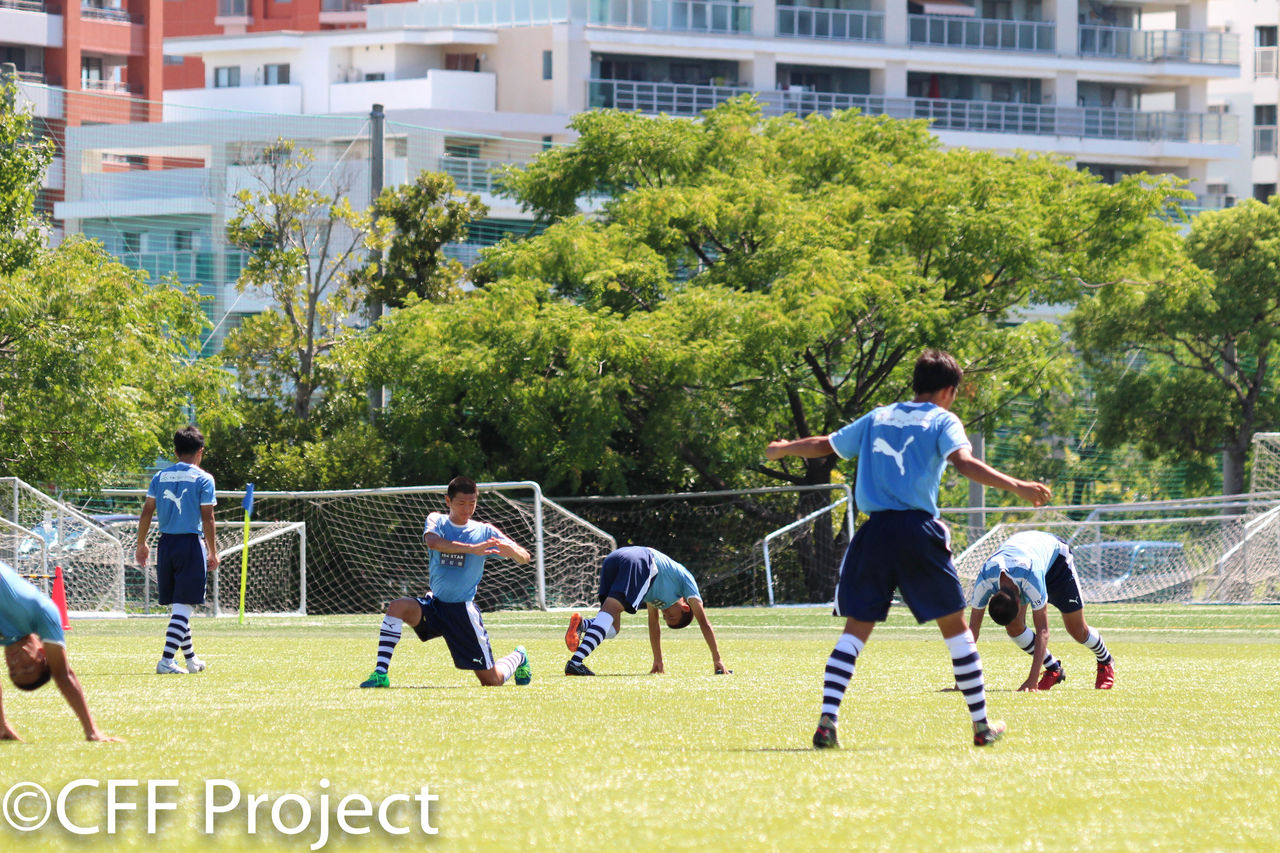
43 534
744 547
1205 550
1265 477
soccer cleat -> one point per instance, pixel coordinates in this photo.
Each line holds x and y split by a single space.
168 666
988 733
1106 677
1051 677
523 674
577 627
824 737
195 665
574 667
376 679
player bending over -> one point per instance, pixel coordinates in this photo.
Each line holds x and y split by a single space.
1036 569
629 577
35 649
458 546
902 449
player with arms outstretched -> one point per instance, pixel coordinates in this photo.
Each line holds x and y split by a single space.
35 649
632 576
1035 569
902 449
458 547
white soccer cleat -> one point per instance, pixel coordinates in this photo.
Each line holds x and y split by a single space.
195 665
168 666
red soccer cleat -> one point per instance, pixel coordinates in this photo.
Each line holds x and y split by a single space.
988 733
573 637
1106 677
1051 677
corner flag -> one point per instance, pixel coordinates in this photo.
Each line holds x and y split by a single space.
247 503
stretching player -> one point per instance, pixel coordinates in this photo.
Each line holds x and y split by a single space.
458 546
1036 569
631 576
902 449
36 650
182 498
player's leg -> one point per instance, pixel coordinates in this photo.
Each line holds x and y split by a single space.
1088 637
966 665
462 627
400 612
604 626
189 588
1025 639
836 677
171 559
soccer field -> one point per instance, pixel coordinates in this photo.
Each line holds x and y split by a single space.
1181 755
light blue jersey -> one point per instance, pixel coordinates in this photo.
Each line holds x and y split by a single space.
454 577
26 610
672 582
1026 558
901 449
179 491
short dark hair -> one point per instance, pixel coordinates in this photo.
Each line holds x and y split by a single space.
463 485
39 681
935 370
188 440
1003 607
686 616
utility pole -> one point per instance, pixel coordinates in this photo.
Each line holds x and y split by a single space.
378 397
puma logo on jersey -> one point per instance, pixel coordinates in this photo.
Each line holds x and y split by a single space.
882 446
170 496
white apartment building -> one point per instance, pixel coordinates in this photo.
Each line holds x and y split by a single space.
1252 98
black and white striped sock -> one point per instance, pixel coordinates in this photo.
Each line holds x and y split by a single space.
1093 642
388 637
839 672
967 667
1027 642
600 629
176 633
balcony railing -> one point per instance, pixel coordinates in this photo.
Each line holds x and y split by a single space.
981 33
1160 45
1264 140
680 99
233 8
675 16
472 174
114 87
25 5
107 13
344 5
839 24
1264 61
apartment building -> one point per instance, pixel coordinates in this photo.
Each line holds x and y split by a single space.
1252 99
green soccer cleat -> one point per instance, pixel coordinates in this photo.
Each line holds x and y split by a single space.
376 679
523 674
824 737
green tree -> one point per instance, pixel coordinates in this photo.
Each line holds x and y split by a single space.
427 215
1184 357
308 253
23 159
98 367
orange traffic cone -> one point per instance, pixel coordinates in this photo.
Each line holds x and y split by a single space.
60 597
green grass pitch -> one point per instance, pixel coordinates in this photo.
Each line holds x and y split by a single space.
1181 755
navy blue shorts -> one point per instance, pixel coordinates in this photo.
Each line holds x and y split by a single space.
905 550
463 630
181 568
626 576
1064 589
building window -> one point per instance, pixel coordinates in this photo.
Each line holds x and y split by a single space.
183 241
373 76
547 142
1262 192
170 59
131 241
546 65
226 76
276 74
90 69
1264 114
1264 36
461 62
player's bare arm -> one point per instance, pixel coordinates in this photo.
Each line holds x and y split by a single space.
975 621
655 639
71 690
508 547
210 536
7 732
968 465
709 635
142 552
1040 621
810 447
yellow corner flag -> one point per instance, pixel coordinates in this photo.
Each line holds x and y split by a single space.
247 503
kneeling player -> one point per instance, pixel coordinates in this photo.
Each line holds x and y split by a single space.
1036 569
35 649
629 577
459 546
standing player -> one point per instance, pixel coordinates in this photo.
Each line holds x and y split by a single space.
902 449
1035 568
629 576
458 546
182 498
36 650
